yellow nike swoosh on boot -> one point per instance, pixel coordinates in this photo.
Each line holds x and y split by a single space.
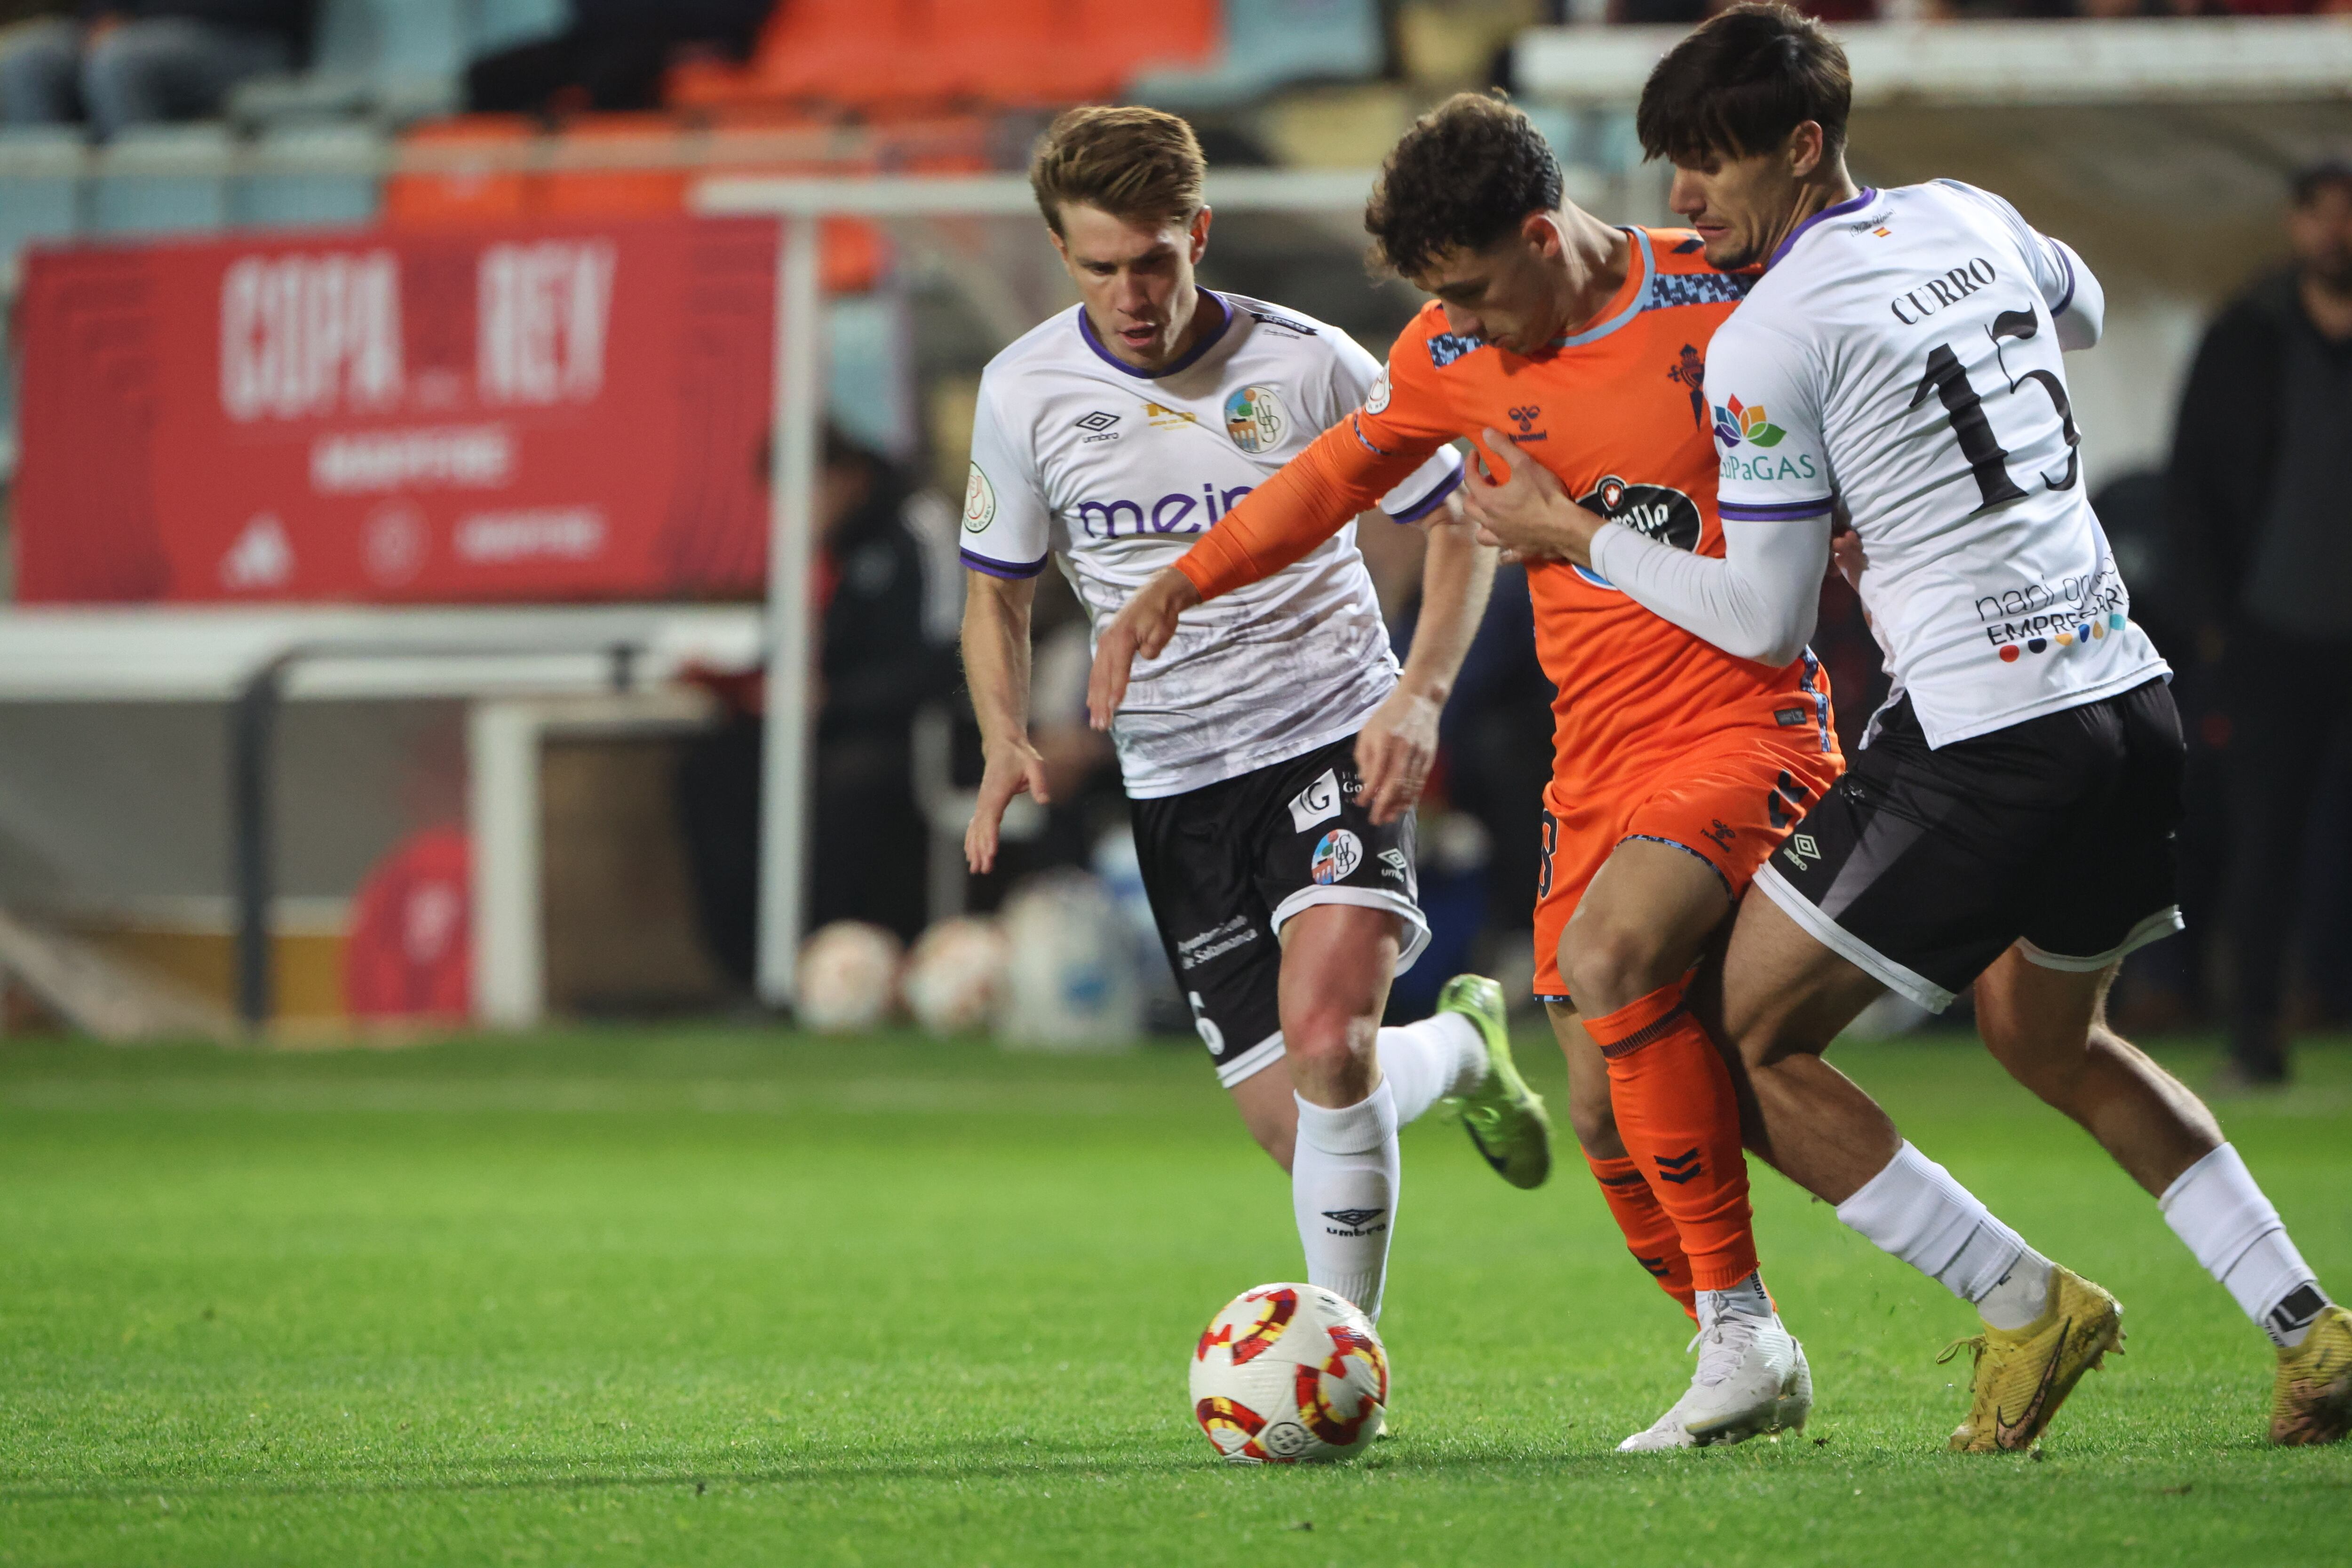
2023 1376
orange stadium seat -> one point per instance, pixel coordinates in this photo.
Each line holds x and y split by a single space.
459 190
616 165
866 54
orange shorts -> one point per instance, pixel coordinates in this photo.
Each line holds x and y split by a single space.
1730 799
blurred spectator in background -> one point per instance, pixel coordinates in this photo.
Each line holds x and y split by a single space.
892 595
613 56
2264 537
138 62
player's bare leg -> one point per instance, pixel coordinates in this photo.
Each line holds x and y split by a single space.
1337 962
1269 1109
2049 1029
1781 997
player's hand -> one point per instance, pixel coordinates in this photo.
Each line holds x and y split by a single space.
1525 511
1845 550
1139 630
1395 751
1012 767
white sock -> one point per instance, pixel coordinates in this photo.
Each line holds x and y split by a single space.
1343 1189
1748 1299
1443 1054
1915 1210
2216 1208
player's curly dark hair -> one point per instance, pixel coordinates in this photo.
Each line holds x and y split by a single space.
1466 174
1741 81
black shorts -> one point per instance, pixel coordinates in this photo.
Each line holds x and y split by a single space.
1227 864
1922 865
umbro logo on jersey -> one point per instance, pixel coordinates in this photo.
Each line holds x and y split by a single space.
1098 425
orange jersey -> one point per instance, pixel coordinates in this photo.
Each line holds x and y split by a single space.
1618 413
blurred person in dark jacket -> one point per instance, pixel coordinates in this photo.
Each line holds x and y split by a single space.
138 62
613 56
891 589
2263 537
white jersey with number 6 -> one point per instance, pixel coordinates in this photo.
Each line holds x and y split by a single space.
1080 457
1901 355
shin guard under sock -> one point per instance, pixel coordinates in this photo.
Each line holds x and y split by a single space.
1680 1120
1649 1230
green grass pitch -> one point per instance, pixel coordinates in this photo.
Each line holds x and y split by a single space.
707 1296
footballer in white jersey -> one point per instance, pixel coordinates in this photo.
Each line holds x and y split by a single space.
2008 821
1272 755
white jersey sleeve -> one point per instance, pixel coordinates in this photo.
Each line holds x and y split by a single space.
2070 288
1007 525
1772 457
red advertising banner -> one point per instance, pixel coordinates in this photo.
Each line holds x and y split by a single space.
546 413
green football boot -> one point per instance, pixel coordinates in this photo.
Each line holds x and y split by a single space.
1505 1118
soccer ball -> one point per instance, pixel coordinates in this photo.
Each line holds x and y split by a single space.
1289 1374
849 974
953 975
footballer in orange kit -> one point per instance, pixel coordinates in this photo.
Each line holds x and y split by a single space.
1571 352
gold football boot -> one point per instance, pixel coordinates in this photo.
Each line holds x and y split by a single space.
2023 1376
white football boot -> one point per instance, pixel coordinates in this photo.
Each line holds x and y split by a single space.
1752 1378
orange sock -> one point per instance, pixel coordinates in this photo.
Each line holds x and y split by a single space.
1650 1234
1680 1120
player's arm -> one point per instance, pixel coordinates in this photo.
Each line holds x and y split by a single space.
1005 546
1399 742
1313 496
1757 602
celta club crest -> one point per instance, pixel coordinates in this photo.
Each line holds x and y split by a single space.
1690 370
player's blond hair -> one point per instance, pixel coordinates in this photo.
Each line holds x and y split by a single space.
1140 166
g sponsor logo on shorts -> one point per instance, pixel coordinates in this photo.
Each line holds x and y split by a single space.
979 502
1337 856
1255 419
1317 802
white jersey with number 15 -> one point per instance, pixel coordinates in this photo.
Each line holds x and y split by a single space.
1902 355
